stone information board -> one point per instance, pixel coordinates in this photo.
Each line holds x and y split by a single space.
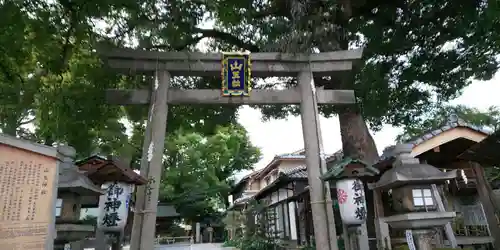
28 187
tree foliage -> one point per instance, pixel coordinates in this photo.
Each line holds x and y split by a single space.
52 81
199 168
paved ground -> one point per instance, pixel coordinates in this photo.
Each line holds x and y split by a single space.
204 246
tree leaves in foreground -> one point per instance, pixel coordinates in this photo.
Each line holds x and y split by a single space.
199 168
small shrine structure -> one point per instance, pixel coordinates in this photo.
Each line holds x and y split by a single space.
118 182
454 147
409 179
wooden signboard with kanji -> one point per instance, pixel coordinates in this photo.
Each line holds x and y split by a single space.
28 184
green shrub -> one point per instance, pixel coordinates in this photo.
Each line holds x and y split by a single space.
231 243
449 248
402 247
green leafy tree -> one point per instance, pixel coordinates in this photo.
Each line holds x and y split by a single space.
199 168
52 84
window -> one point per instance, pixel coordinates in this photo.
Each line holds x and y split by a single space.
58 207
423 198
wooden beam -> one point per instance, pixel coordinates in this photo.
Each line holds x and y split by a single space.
213 96
209 64
381 228
269 69
340 55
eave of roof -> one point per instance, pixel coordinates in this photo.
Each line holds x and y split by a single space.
85 160
275 161
29 146
387 157
298 155
484 152
244 180
339 167
453 122
295 174
299 172
126 172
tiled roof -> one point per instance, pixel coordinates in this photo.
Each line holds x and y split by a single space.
338 155
299 172
243 199
240 202
453 122
339 166
290 156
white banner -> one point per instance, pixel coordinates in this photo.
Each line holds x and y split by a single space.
113 206
352 203
409 240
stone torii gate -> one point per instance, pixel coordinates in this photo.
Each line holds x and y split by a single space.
164 65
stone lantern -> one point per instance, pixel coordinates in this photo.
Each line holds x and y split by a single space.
411 184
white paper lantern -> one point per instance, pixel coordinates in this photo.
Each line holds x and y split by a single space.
352 202
114 206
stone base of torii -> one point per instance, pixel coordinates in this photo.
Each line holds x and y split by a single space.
165 65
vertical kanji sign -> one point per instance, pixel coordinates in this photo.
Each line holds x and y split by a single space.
352 202
28 182
113 209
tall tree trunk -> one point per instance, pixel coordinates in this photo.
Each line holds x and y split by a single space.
357 142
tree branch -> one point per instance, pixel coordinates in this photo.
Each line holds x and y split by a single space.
216 34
